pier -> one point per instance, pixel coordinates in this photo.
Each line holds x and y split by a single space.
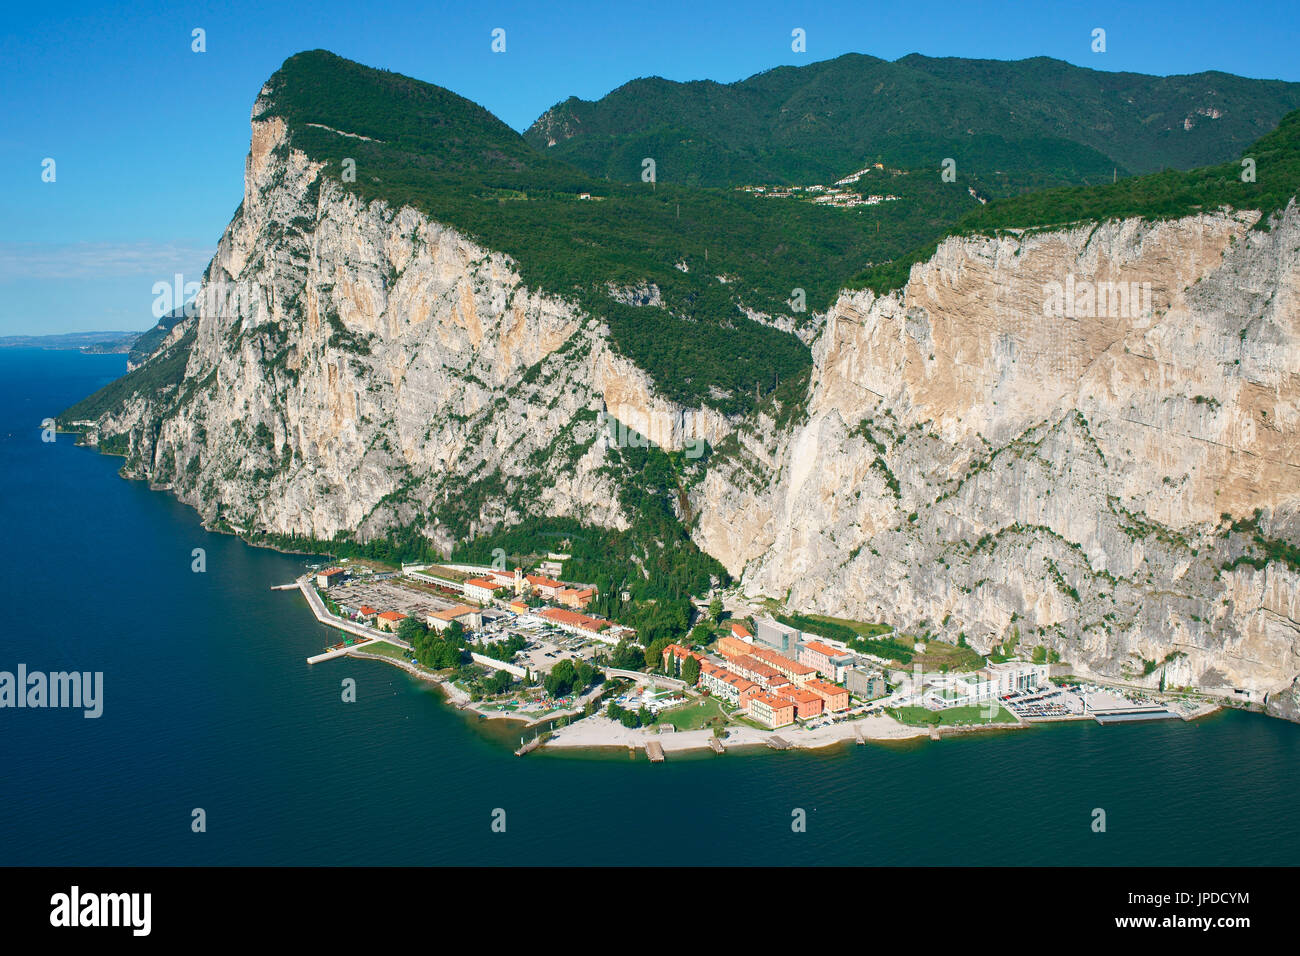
529 747
716 744
778 743
655 751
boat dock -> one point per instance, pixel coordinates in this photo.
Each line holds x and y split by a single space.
529 747
285 587
857 731
778 743
655 751
716 744
339 650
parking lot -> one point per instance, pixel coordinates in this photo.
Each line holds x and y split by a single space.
387 596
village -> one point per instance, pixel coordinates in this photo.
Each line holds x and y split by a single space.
506 643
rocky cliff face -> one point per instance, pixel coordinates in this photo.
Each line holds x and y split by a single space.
358 368
1034 443
970 464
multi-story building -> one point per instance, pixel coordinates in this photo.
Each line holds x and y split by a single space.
546 587
835 697
806 703
865 684
576 598
470 618
750 668
388 620
1010 677
732 646
481 590
830 662
795 672
330 576
722 683
675 656
740 631
583 625
780 637
771 711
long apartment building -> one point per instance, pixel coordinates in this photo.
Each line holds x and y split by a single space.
750 668
729 686
583 625
793 671
830 662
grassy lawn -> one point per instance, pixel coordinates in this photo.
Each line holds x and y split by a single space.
386 650
694 714
921 717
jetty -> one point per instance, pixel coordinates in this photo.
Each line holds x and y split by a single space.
655 751
529 747
716 744
285 587
857 732
778 743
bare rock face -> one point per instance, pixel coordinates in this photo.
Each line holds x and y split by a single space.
358 368
1036 441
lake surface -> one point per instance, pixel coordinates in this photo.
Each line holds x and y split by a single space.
208 703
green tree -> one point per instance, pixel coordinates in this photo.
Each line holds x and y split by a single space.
691 671
715 610
654 654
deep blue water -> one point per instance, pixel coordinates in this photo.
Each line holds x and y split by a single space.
208 703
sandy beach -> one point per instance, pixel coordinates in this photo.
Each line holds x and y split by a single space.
602 732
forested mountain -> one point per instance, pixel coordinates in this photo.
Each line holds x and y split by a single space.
1011 125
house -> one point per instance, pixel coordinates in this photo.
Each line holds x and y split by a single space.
471 619
829 661
740 632
771 711
834 697
388 620
519 607
366 612
481 590
330 576
576 598
806 703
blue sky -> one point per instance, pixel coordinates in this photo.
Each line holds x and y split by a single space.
149 137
